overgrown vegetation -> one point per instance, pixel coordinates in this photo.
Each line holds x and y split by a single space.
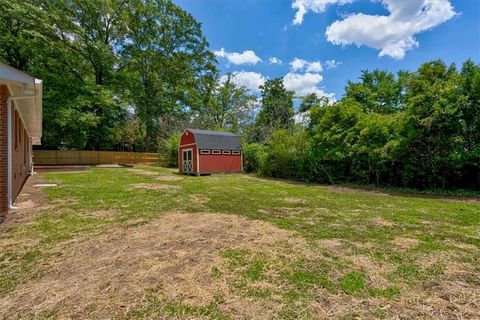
417 130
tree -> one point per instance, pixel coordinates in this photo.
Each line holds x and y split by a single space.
378 91
231 107
277 110
164 63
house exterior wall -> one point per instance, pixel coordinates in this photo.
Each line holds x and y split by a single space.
21 154
220 163
3 150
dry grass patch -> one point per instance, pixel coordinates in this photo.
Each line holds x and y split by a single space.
379 221
154 186
296 200
143 172
104 213
347 190
404 243
169 178
107 275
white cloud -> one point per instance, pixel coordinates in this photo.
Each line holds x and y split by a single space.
305 84
246 57
297 64
247 79
315 66
310 66
274 60
317 6
332 64
394 34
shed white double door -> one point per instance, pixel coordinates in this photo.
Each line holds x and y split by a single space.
187 160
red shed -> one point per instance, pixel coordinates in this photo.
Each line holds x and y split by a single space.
205 152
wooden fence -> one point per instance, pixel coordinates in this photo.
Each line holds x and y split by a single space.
60 157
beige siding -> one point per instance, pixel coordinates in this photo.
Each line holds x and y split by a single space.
3 150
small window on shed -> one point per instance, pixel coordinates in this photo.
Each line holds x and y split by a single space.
216 152
204 151
226 152
236 152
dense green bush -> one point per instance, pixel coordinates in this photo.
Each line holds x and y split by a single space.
171 150
419 130
253 157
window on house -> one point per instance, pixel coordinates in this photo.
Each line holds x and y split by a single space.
216 152
236 152
225 151
204 151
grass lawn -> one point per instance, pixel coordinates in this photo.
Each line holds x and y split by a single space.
147 243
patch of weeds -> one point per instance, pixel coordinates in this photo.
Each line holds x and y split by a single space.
428 244
31 256
472 279
433 271
255 269
379 314
237 257
387 293
408 271
307 279
215 272
351 316
353 282
261 293
157 306
16 268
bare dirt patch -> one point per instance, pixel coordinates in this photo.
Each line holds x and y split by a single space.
29 203
296 200
330 244
154 186
104 213
405 243
108 275
157 175
282 212
143 172
379 221
347 190
169 178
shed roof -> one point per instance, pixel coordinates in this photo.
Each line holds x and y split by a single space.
207 139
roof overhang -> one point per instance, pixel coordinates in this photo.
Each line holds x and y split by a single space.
29 94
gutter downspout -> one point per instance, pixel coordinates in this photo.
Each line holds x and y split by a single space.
10 149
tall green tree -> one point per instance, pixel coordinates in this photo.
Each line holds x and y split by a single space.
277 110
231 107
378 91
165 61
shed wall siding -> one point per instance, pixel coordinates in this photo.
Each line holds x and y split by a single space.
3 150
220 163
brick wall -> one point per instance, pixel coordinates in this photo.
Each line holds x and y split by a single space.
3 150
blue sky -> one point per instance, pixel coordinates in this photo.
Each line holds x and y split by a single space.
323 43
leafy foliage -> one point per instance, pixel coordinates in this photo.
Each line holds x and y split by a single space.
416 130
